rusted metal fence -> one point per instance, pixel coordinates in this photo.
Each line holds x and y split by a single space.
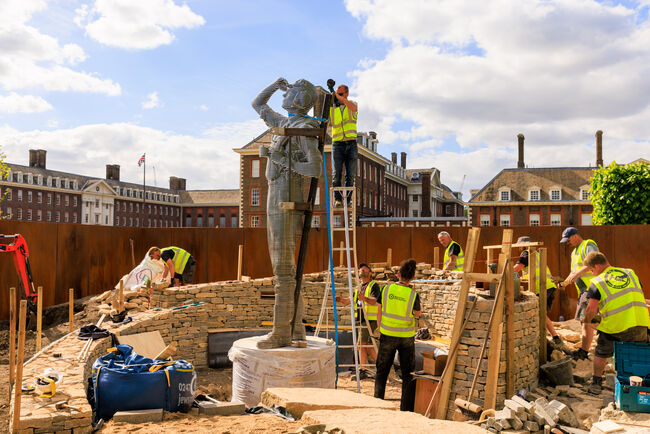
91 259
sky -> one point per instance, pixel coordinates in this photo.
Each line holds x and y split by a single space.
451 83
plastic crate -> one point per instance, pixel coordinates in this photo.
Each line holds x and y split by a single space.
632 358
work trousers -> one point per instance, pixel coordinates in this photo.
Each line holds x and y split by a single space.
344 154
387 347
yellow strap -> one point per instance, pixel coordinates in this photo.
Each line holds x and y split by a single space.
111 350
52 388
167 374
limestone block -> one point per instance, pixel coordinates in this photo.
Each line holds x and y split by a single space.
139 416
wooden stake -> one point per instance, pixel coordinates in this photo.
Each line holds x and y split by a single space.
71 310
389 257
436 258
120 298
490 259
132 252
341 245
240 258
39 317
542 306
19 365
12 336
510 330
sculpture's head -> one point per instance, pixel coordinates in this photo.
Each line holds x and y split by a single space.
299 97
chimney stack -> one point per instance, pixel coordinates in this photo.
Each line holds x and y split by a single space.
403 158
37 158
372 134
176 183
520 140
113 172
599 148
425 200
393 157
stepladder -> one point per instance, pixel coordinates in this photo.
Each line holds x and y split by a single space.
342 220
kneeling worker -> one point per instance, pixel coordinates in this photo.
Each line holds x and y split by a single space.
180 264
399 305
522 265
368 293
617 294
454 258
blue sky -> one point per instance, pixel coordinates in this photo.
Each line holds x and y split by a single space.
100 82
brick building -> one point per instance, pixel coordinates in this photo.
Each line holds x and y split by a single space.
381 184
522 196
35 193
441 202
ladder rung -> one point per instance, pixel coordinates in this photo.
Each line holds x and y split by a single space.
360 365
342 188
342 229
338 249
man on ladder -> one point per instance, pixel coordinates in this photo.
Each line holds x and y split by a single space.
365 300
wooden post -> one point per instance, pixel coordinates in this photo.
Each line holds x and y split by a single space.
12 336
19 364
240 258
132 252
510 330
532 269
71 310
542 306
468 266
39 317
341 246
436 258
389 257
120 297
490 260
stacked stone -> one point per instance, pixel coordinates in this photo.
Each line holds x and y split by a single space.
133 300
520 414
439 301
525 365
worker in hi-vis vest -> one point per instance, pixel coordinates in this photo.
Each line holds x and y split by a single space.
398 307
551 289
581 276
365 306
180 264
454 257
343 120
616 294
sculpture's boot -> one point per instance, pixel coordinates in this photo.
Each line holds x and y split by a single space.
280 336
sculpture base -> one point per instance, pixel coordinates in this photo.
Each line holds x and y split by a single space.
255 370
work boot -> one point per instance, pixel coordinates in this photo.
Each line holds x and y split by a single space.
580 354
596 386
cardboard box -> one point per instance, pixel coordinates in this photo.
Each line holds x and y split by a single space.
433 365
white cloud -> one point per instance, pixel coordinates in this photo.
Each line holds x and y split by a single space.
152 101
31 59
481 72
14 103
208 160
142 24
204 107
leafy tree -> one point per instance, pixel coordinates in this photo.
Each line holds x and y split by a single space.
4 169
621 194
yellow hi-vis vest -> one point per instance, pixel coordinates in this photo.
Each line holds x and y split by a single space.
549 281
344 124
578 256
460 260
369 310
397 311
180 258
622 303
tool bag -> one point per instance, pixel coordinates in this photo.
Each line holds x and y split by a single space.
123 380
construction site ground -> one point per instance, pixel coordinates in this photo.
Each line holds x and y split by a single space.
218 382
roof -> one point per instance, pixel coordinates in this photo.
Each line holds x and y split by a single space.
521 180
210 197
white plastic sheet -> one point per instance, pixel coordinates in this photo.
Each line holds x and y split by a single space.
255 370
149 270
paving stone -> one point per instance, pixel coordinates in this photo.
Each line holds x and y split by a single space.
222 409
139 416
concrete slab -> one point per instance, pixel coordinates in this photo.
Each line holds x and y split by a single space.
299 400
221 409
379 421
139 416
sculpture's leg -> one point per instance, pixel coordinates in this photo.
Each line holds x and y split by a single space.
299 333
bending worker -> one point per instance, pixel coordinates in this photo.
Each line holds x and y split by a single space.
616 293
454 258
522 265
343 120
180 264
399 305
365 300
581 276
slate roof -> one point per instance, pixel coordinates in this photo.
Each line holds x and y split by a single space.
210 197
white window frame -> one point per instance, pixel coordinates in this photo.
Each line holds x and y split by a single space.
505 218
315 221
536 191
485 220
507 191
585 193
534 219
255 197
255 168
317 198
555 219
553 190
255 221
586 219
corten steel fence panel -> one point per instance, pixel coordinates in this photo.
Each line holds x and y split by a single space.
378 240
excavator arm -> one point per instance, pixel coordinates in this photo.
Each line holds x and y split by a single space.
20 253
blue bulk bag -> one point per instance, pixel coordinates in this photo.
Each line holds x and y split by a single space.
122 380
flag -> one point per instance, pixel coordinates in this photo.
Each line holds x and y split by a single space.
141 160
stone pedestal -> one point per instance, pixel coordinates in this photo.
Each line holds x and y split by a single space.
255 370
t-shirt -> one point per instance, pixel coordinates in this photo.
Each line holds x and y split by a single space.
416 304
523 258
167 254
454 250
375 292
591 247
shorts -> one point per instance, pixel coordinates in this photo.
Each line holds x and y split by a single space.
582 305
365 337
550 296
605 342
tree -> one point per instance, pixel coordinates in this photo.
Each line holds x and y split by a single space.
4 170
621 194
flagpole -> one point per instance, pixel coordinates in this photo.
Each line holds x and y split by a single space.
144 186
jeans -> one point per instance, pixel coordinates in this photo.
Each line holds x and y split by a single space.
385 357
344 153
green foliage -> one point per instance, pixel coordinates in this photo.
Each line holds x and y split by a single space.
621 194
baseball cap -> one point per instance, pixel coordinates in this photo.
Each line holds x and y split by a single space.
568 232
523 239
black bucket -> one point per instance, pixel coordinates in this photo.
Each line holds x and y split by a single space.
558 372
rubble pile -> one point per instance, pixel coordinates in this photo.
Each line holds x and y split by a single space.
519 414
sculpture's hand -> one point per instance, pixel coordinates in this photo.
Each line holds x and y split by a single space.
282 84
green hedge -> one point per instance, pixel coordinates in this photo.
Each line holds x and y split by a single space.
621 194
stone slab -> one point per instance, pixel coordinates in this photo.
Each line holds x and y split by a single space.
139 416
222 409
299 400
379 421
